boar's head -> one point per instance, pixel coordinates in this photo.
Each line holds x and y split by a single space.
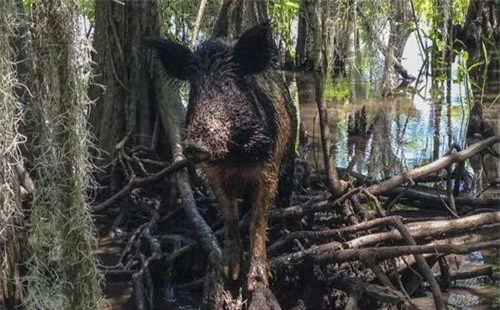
230 118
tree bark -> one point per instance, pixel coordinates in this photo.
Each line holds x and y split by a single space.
310 36
197 23
481 35
237 15
121 86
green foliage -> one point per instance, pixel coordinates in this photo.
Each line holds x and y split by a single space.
459 11
88 9
283 12
27 5
338 89
425 9
177 17
430 14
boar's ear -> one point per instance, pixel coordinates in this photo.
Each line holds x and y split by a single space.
255 48
175 58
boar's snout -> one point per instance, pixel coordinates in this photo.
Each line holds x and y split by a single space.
195 151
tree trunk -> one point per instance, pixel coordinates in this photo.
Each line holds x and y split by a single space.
121 86
328 38
62 273
310 32
12 235
311 55
399 33
352 21
237 15
440 59
483 28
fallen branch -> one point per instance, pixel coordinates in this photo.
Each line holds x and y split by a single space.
435 166
389 184
483 234
382 293
418 230
138 182
423 266
338 233
423 196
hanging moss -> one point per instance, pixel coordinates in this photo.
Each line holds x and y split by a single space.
11 215
63 273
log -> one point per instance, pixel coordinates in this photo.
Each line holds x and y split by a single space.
472 272
324 255
435 229
389 184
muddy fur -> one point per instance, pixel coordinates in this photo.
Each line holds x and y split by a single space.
240 124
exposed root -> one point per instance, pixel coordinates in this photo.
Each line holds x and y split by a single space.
317 257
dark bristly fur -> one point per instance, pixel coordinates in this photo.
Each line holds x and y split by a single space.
240 124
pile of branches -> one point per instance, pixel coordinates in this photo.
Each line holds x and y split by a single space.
356 251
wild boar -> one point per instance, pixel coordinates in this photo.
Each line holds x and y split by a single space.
240 127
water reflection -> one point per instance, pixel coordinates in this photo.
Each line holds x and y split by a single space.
383 137
399 134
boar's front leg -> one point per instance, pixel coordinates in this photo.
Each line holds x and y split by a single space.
263 198
232 253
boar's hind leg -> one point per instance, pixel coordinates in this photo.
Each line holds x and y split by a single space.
286 182
232 253
262 199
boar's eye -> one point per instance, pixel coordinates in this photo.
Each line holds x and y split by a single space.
175 58
255 49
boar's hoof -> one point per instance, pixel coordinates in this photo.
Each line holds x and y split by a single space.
231 261
257 274
263 299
